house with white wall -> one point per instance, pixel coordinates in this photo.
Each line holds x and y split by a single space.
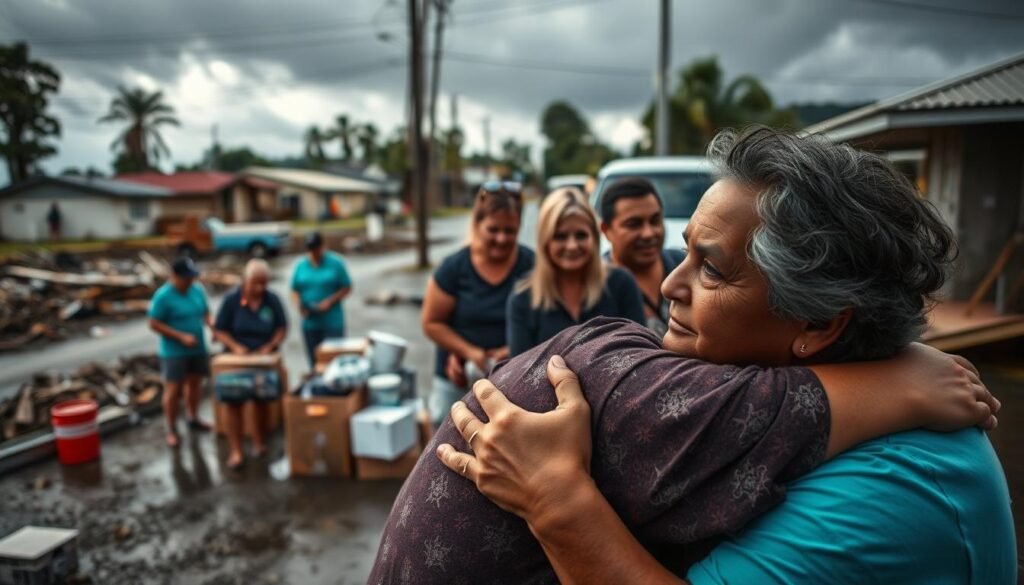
90 208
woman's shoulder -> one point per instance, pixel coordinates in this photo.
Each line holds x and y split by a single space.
458 257
526 256
618 279
234 295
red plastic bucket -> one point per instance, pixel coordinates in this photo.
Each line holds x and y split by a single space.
76 430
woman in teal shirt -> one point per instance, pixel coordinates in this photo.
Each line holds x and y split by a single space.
178 312
319 283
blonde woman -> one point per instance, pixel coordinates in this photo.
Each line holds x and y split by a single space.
569 284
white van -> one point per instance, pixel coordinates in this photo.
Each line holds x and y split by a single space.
679 180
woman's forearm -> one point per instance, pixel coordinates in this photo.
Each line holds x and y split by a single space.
920 387
587 543
226 338
443 335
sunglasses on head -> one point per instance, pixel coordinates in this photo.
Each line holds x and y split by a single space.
511 187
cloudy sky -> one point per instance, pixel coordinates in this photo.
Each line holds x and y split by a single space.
263 70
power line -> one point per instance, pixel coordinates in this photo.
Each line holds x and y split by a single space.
594 69
548 65
947 9
157 38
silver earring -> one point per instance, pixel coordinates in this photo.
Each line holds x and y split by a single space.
803 348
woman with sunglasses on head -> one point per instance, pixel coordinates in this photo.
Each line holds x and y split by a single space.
464 304
569 284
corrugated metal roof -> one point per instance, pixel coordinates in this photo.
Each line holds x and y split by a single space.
108 187
315 180
1000 84
1003 86
184 182
115 187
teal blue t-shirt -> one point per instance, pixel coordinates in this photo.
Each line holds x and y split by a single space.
185 312
315 283
912 508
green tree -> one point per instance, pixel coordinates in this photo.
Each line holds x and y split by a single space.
515 158
314 140
24 88
703 104
571 148
139 145
394 155
451 151
344 132
236 159
366 137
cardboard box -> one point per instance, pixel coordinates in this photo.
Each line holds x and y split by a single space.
332 348
317 432
368 468
384 432
39 556
229 362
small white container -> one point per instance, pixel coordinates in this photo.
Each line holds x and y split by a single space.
385 389
386 352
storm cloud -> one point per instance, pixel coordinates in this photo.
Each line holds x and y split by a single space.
264 71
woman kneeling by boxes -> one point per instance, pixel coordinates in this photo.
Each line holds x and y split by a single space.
251 321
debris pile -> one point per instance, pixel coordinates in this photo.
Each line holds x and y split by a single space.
130 381
52 296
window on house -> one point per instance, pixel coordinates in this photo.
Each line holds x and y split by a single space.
138 209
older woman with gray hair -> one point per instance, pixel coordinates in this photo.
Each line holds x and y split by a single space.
805 260
251 320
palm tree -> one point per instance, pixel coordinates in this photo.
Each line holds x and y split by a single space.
366 136
701 106
345 132
314 140
140 143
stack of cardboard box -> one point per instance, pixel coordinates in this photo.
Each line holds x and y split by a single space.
345 436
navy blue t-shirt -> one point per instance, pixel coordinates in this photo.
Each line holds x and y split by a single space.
670 259
479 313
253 329
529 327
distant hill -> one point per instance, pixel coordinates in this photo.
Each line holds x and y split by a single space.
814 113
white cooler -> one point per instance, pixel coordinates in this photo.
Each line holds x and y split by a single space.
383 432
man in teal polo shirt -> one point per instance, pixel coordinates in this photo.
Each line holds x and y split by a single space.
178 312
319 283
913 508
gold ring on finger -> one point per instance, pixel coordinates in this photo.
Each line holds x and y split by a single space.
464 468
471 437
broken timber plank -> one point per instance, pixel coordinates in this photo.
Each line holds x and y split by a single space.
78 279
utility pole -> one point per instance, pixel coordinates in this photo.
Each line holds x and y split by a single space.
214 162
456 178
662 114
441 14
487 146
419 158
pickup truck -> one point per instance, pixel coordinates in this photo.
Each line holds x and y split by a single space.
197 235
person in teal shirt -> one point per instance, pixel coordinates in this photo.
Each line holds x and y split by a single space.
177 312
915 507
319 283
